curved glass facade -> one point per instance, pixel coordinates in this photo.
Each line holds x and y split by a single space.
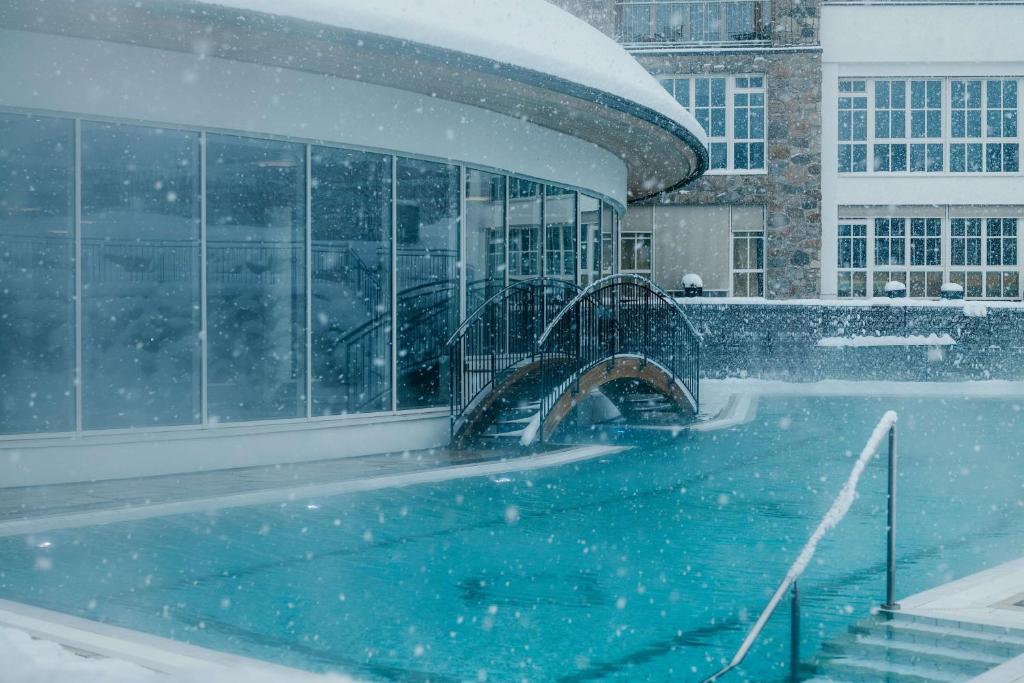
155 277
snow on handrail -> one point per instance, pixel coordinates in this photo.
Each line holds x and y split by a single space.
836 513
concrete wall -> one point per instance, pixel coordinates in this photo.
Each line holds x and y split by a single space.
779 341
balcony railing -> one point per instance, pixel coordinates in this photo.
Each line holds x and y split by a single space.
694 22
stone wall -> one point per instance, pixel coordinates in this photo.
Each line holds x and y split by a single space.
780 341
790 191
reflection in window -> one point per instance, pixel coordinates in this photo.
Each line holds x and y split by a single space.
351 278
609 226
637 253
485 237
140 277
590 239
428 197
524 228
560 233
256 309
37 314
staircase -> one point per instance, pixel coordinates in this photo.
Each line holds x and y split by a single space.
902 648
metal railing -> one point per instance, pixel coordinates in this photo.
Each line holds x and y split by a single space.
694 22
499 336
618 315
835 514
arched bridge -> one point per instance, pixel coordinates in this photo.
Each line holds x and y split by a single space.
531 353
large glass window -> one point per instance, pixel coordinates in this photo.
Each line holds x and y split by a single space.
351 279
485 236
524 228
590 239
428 197
37 281
609 230
256 282
141 311
747 226
560 233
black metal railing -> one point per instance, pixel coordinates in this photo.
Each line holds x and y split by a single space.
500 336
619 315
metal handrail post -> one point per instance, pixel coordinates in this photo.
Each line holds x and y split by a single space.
890 566
794 635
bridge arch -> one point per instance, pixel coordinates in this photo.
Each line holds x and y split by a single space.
647 372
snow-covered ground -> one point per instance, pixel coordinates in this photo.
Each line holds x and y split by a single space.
27 660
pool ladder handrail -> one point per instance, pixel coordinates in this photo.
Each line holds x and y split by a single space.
836 512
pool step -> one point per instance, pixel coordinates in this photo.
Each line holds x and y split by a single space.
902 648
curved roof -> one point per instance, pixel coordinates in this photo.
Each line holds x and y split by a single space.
525 58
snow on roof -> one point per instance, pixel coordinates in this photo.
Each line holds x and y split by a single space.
532 34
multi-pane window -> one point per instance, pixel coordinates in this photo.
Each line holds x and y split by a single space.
748 123
983 122
853 126
709 108
732 112
890 125
637 253
748 263
853 260
928 125
983 257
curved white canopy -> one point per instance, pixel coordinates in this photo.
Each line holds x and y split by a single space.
525 58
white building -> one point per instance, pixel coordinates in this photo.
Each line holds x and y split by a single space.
240 233
921 179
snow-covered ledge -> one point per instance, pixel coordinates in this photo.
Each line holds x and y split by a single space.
882 340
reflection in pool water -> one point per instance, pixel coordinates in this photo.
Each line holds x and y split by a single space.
645 565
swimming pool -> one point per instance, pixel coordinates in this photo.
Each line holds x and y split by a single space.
644 565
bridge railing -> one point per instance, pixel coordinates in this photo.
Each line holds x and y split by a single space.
499 336
619 315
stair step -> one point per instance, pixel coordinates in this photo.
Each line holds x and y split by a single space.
904 617
874 648
905 630
854 669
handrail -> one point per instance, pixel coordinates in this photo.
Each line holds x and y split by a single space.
481 310
618 315
836 513
497 340
607 280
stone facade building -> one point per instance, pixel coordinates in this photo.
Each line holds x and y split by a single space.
750 71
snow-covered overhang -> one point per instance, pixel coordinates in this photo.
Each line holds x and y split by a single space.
526 59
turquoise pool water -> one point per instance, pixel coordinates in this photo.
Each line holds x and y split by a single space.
645 565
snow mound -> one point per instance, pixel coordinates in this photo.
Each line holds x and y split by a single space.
868 341
692 280
975 309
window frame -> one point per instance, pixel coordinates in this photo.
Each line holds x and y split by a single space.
734 84
946 142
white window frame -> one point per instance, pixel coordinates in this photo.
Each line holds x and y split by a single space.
856 230
634 236
918 276
673 82
947 141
